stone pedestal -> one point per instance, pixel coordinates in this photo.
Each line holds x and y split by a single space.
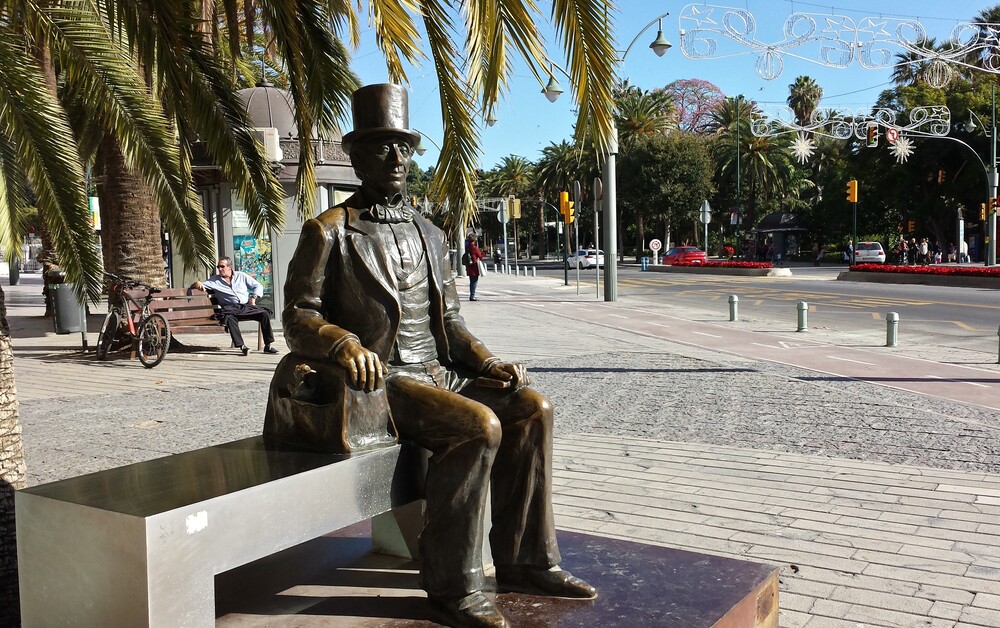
336 581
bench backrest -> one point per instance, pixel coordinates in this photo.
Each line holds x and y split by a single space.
180 306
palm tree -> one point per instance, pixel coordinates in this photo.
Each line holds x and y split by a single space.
560 165
643 114
765 163
803 98
515 176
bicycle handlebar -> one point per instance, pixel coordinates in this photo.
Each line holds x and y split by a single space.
130 283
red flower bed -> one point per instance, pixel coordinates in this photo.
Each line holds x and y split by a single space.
962 271
727 264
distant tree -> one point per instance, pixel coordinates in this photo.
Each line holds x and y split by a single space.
665 179
803 98
763 165
642 114
693 101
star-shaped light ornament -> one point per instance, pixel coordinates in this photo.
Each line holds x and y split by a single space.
902 149
803 147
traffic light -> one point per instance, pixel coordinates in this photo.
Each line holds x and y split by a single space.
566 207
982 211
852 191
872 136
911 226
515 208
940 177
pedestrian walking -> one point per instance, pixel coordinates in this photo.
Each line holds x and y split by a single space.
471 259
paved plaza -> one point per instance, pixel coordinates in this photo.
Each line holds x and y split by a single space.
879 504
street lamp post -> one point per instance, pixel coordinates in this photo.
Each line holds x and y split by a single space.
739 102
991 177
552 90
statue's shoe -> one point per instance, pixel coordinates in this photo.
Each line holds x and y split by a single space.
472 611
553 582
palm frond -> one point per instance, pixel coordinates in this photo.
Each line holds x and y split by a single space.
454 178
584 30
396 34
99 72
35 123
13 200
319 81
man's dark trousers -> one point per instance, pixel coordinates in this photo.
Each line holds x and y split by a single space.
231 315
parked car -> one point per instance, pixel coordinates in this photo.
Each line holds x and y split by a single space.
869 253
585 258
686 254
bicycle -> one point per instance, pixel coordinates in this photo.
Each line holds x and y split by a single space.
129 320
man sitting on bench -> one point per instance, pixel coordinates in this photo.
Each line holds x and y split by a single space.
236 293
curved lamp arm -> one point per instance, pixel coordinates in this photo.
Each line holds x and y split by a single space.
660 45
420 149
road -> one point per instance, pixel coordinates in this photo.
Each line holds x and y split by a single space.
953 318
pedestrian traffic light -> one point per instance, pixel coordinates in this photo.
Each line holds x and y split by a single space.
566 207
852 191
872 136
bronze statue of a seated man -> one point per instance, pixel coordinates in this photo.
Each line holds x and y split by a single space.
371 301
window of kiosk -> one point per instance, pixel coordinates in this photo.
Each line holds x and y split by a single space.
252 254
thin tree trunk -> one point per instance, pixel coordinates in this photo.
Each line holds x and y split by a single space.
640 236
130 221
12 474
543 241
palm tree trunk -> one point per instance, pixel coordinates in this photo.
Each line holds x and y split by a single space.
130 221
12 474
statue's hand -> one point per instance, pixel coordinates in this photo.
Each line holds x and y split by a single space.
516 374
364 368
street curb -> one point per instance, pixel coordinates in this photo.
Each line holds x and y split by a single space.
989 283
717 270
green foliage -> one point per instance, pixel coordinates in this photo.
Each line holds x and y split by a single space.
665 178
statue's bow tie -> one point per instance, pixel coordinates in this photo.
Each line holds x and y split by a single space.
397 211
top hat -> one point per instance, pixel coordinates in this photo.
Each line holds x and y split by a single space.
380 109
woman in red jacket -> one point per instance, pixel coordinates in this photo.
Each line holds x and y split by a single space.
471 261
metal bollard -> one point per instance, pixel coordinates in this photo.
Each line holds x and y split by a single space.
891 328
734 307
803 311
998 347
532 271
494 268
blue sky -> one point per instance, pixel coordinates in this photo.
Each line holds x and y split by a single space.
527 122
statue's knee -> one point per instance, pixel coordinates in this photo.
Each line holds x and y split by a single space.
487 428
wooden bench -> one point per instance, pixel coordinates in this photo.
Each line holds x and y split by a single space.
188 311
140 545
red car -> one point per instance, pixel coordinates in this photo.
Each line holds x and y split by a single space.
685 254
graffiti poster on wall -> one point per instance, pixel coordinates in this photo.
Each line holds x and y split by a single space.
253 256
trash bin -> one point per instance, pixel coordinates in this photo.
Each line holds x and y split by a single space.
15 272
66 309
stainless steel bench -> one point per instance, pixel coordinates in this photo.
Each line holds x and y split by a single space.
140 545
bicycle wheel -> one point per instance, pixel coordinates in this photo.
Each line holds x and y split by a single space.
107 336
154 339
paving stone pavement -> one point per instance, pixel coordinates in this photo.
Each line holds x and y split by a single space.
880 506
